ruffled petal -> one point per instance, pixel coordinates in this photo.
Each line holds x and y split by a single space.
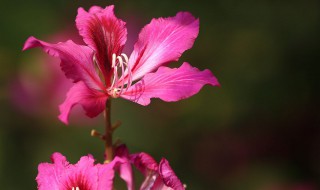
168 176
163 41
76 60
170 84
104 33
92 101
50 175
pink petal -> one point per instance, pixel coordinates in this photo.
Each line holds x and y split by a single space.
147 166
92 101
103 32
50 175
144 162
106 173
170 84
125 169
96 9
168 176
163 41
76 60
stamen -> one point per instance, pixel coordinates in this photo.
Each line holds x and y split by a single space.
122 67
128 69
125 57
118 84
75 188
115 77
113 60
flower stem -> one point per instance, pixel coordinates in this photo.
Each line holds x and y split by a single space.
108 153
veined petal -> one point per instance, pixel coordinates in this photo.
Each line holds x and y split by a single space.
147 166
104 33
163 41
170 84
92 101
95 27
144 162
76 60
168 176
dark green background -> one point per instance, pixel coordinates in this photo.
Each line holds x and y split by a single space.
259 131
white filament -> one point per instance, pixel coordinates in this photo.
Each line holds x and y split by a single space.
120 61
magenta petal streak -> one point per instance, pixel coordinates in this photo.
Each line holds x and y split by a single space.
170 84
104 33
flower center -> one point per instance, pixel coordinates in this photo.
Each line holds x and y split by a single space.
75 188
122 75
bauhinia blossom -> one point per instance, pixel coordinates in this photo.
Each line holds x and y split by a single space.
85 175
61 175
157 176
100 70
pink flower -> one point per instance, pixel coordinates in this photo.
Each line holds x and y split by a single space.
60 175
157 176
100 70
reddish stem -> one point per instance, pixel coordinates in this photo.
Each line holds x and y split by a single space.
108 153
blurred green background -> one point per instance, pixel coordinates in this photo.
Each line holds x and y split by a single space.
259 131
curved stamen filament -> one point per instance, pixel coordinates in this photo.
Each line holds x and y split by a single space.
122 70
115 68
118 62
129 70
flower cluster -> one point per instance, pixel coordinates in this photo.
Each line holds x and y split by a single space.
85 175
100 70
